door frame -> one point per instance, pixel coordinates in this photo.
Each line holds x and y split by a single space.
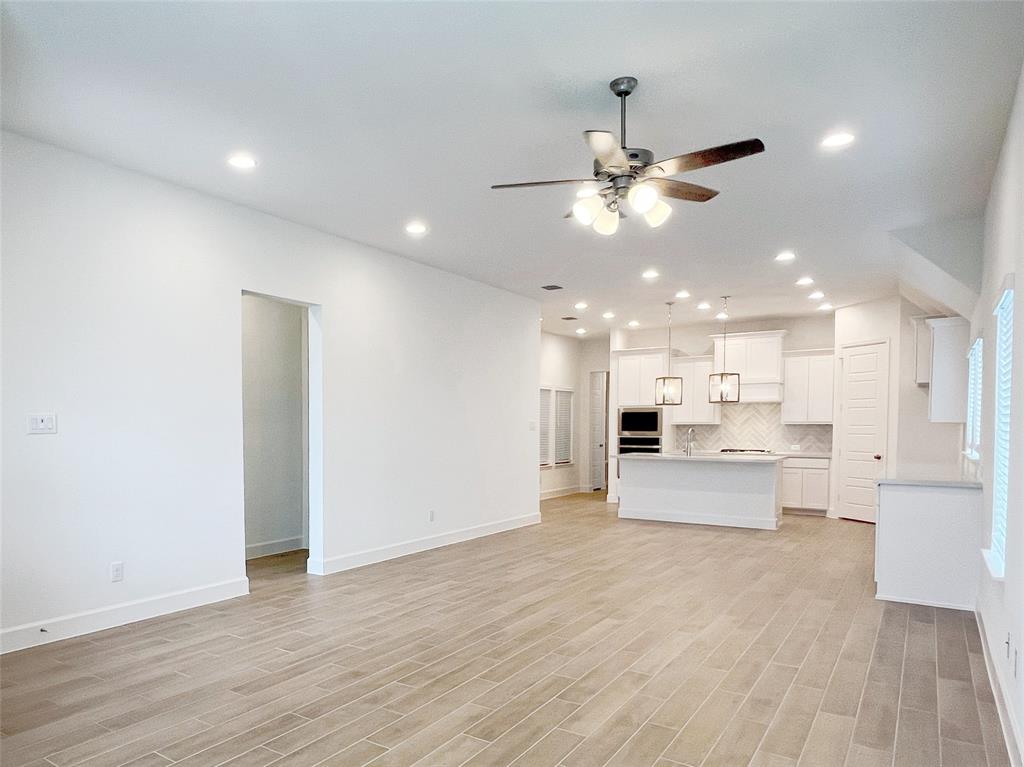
312 353
839 416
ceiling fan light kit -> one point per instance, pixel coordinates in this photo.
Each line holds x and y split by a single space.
632 175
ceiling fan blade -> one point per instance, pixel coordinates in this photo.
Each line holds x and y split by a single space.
704 157
606 149
681 190
544 183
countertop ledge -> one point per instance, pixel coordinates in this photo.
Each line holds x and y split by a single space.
965 483
714 457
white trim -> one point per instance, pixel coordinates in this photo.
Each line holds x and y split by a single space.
994 564
559 492
393 551
76 624
265 549
1013 737
904 600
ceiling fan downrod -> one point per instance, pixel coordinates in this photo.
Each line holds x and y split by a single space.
622 87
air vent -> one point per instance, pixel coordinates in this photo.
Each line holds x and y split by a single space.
569 318
550 287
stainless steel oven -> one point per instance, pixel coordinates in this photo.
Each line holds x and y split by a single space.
639 430
640 422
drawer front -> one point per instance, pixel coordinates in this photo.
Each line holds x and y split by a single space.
805 463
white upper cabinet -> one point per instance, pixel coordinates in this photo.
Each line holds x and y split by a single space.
636 374
695 408
947 393
757 357
808 386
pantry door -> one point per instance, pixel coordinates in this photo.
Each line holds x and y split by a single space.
864 409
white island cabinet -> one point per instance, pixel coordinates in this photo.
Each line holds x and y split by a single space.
716 489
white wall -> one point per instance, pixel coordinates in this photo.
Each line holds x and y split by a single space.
930 449
272 411
560 368
121 312
1001 603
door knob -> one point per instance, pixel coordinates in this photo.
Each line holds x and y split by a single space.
878 457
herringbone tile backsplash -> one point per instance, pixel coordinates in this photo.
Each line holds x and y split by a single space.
757 426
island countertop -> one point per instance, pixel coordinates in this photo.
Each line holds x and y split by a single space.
709 457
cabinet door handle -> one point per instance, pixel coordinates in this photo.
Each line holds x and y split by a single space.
878 456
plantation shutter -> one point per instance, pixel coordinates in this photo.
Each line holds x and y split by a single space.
545 427
1001 436
563 427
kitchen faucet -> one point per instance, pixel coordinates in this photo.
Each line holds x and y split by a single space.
689 440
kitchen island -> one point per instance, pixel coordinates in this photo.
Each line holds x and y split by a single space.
733 490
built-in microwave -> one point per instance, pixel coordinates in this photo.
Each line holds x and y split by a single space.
640 422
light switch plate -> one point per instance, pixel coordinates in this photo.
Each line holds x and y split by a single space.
42 423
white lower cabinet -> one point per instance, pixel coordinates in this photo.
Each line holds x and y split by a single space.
805 483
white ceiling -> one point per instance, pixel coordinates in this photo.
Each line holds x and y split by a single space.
364 115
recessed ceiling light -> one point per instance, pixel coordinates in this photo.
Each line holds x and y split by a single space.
825 308
804 281
786 255
242 161
609 315
416 228
816 295
650 274
581 331
580 305
703 306
633 324
837 140
683 294
722 315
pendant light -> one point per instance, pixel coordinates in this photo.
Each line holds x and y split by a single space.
668 389
724 387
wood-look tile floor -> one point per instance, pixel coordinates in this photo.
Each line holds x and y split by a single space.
583 641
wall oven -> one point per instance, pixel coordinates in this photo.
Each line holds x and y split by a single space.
639 430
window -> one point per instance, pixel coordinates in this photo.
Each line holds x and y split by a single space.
555 427
1001 432
972 430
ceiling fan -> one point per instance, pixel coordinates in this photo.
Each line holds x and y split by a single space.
633 175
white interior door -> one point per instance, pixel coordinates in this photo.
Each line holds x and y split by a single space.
864 407
598 429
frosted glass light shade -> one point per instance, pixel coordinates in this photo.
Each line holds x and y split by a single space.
607 222
587 210
724 387
668 390
643 197
658 215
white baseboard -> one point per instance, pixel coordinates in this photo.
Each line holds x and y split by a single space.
1004 705
76 624
699 518
265 549
558 492
372 556
922 602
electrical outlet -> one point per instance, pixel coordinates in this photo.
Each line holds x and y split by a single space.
795 448
116 572
430 515
42 423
